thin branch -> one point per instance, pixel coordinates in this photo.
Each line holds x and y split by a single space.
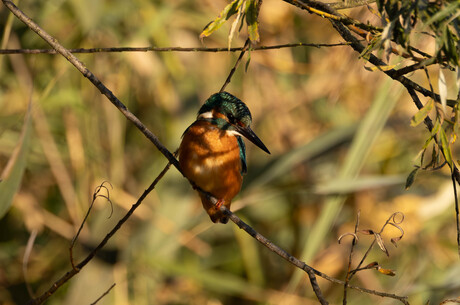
227 81
350 256
104 294
95 196
170 49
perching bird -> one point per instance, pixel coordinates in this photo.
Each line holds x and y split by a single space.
212 153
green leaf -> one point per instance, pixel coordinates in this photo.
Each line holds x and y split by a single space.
445 147
411 178
251 20
422 113
444 13
436 128
224 15
12 174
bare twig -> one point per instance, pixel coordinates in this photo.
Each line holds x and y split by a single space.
170 49
104 294
352 247
96 195
227 81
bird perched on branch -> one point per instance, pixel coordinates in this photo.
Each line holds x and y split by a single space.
212 153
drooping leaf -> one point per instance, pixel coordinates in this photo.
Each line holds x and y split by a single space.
445 146
422 113
436 127
442 90
386 271
224 15
238 18
379 240
411 178
251 20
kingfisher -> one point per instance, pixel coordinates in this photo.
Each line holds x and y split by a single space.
212 154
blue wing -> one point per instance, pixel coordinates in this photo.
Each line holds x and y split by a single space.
244 168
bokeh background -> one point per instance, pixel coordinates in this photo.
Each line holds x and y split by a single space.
340 139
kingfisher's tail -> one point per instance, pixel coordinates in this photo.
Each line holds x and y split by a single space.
214 213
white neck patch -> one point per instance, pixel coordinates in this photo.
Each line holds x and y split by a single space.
206 115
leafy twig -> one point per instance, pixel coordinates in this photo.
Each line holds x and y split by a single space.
358 47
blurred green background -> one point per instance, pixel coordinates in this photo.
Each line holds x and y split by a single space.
340 139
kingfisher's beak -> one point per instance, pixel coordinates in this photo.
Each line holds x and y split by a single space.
251 136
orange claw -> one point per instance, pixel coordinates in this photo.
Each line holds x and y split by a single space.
219 203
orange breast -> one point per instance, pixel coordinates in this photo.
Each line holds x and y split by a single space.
211 159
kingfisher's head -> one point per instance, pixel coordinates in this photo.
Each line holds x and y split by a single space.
230 114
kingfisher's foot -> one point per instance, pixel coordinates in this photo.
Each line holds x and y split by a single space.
219 203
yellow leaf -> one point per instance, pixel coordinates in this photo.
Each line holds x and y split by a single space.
386 271
224 15
422 113
251 20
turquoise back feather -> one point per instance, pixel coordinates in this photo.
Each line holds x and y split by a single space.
244 167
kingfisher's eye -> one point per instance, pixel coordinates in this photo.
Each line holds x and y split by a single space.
231 118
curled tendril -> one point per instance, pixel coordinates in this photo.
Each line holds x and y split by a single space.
96 195
395 222
355 236
396 214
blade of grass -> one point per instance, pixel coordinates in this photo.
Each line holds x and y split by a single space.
286 162
367 133
11 176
